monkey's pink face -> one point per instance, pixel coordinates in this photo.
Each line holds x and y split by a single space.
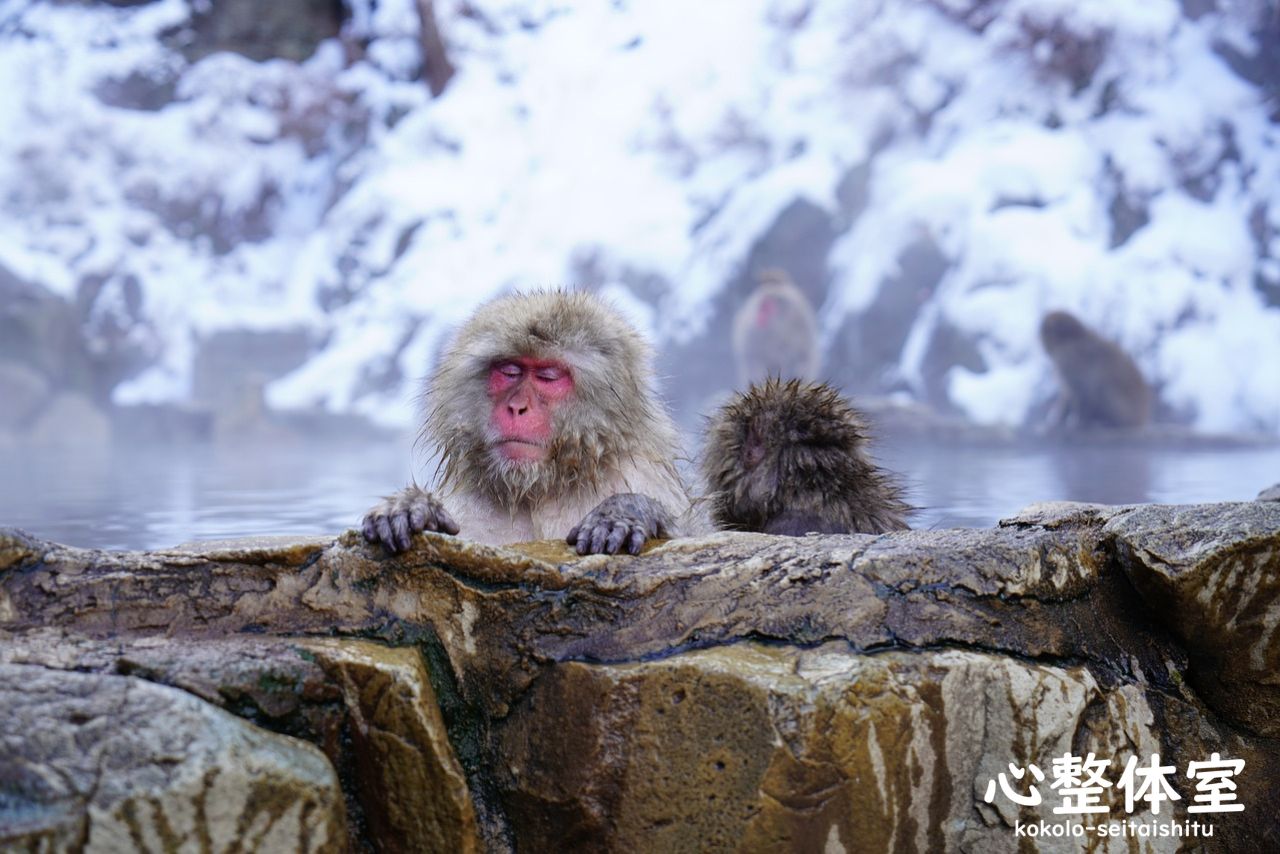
767 312
525 395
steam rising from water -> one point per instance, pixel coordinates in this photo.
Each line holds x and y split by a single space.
146 498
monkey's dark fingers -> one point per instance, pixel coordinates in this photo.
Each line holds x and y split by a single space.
445 522
616 539
369 530
385 536
419 518
599 534
572 536
403 533
636 541
582 542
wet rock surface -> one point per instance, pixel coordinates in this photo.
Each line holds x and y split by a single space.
735 691
369 708
1212 574
107 763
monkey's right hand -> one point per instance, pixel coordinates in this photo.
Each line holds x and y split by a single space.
625 520
394 520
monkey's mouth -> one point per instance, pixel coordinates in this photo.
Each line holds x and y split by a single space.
518 450
762 486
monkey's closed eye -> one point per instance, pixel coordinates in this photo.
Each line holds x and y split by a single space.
509 369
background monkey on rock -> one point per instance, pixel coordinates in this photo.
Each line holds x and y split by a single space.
544 412
791 458
1100 385
775 332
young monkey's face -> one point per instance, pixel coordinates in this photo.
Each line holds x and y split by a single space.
760 457
789 433
526 394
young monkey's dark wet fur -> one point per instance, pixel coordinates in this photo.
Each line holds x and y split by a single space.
788 457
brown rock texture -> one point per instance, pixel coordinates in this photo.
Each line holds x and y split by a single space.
728 692
773 749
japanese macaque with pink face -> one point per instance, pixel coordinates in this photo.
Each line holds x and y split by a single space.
544 412
775 332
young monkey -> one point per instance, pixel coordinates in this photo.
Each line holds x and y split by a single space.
789 458
544 413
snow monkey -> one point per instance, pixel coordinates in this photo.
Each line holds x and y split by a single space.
790 458
775 333
544 412
1101 385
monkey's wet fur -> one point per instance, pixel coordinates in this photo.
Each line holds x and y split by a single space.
789 457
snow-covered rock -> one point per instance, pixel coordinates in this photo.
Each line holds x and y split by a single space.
936 173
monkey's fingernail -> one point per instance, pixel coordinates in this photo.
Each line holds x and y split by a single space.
636 542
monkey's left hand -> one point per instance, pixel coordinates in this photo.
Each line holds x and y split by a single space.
626 519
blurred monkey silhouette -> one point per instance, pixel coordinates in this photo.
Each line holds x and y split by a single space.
775 332
1100 386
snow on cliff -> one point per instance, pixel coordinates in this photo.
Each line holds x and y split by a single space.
1094 155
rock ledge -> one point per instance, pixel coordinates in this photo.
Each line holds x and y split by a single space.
735 691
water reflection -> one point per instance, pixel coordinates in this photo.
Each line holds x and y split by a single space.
154 497
1107 475
148 498
968 487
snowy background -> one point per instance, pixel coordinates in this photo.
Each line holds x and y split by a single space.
935 174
